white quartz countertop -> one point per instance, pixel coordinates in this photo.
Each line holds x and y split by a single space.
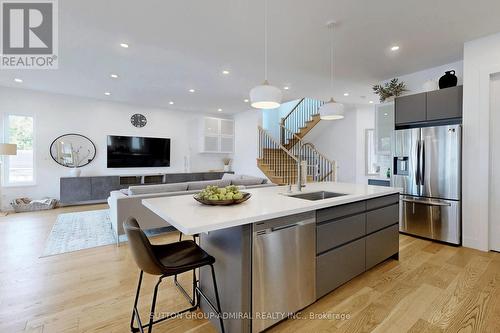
192 217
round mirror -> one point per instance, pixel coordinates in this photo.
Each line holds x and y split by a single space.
72 150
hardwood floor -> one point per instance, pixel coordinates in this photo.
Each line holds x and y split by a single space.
432 288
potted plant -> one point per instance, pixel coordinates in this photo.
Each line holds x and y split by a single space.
389 90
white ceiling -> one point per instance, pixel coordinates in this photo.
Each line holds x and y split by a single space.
176 45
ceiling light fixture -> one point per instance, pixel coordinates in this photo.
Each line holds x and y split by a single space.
371 102
107 93
124 45
192 90
18 80
265 96
246 100
171 102
346 94
286 88
220 110
395 48
331 110
225 72
113 76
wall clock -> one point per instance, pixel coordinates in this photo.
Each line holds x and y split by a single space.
138 120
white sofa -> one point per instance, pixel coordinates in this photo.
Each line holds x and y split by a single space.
125 203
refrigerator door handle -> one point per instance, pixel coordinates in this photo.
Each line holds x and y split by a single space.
422 165
417 169
427 203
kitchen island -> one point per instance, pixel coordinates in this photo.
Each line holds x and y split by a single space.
276 253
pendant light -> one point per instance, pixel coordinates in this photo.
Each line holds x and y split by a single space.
265 96
332 110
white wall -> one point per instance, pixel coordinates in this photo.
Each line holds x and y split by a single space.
341 140
59 114
365 120
481 58
246 145
415 81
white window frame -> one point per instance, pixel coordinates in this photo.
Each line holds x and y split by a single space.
5 159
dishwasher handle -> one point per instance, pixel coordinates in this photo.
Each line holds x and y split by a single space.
284 227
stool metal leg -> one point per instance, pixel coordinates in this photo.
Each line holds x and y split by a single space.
190 299
135 312
217 309
217 300
153 306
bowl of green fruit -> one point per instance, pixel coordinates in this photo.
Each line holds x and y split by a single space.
221 196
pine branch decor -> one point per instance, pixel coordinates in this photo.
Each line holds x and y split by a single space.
393 88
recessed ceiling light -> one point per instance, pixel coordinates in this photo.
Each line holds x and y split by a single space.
18 80
124 45
113 76
171 102
346 94
386 114
192 90
394 48
220 110
286 88
246 100
371 102
107 93
225 72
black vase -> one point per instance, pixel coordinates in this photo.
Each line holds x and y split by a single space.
449 79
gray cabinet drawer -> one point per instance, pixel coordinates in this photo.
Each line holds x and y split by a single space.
102 186
445 103
75 189
338 232
382 201
410 109
340 211
381 218
382 245
338 266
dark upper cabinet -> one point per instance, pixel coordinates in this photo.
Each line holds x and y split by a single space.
445 103
410 109
436 105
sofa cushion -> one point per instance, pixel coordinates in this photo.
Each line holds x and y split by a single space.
161 188
230 176
247 182
203 184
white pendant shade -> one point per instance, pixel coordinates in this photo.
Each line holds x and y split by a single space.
331 110
8 149
265 96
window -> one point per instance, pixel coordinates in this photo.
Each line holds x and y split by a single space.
370 155
19 169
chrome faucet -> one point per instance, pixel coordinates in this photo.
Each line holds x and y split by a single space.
299 169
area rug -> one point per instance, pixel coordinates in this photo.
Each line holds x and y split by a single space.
78 231
85 230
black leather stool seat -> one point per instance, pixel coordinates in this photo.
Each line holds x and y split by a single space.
181 257
168 260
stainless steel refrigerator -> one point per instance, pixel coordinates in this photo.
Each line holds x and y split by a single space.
427 165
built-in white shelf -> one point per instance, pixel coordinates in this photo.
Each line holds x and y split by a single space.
217 135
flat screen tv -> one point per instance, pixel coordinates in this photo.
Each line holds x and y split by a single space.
138 152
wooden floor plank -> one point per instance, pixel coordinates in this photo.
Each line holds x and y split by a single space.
92 290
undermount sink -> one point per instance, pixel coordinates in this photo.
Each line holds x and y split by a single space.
320 195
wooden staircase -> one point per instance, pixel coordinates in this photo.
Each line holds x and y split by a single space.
279 158
309 125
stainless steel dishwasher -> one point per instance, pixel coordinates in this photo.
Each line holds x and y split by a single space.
283 268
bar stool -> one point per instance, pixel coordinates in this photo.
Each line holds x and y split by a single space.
168 260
